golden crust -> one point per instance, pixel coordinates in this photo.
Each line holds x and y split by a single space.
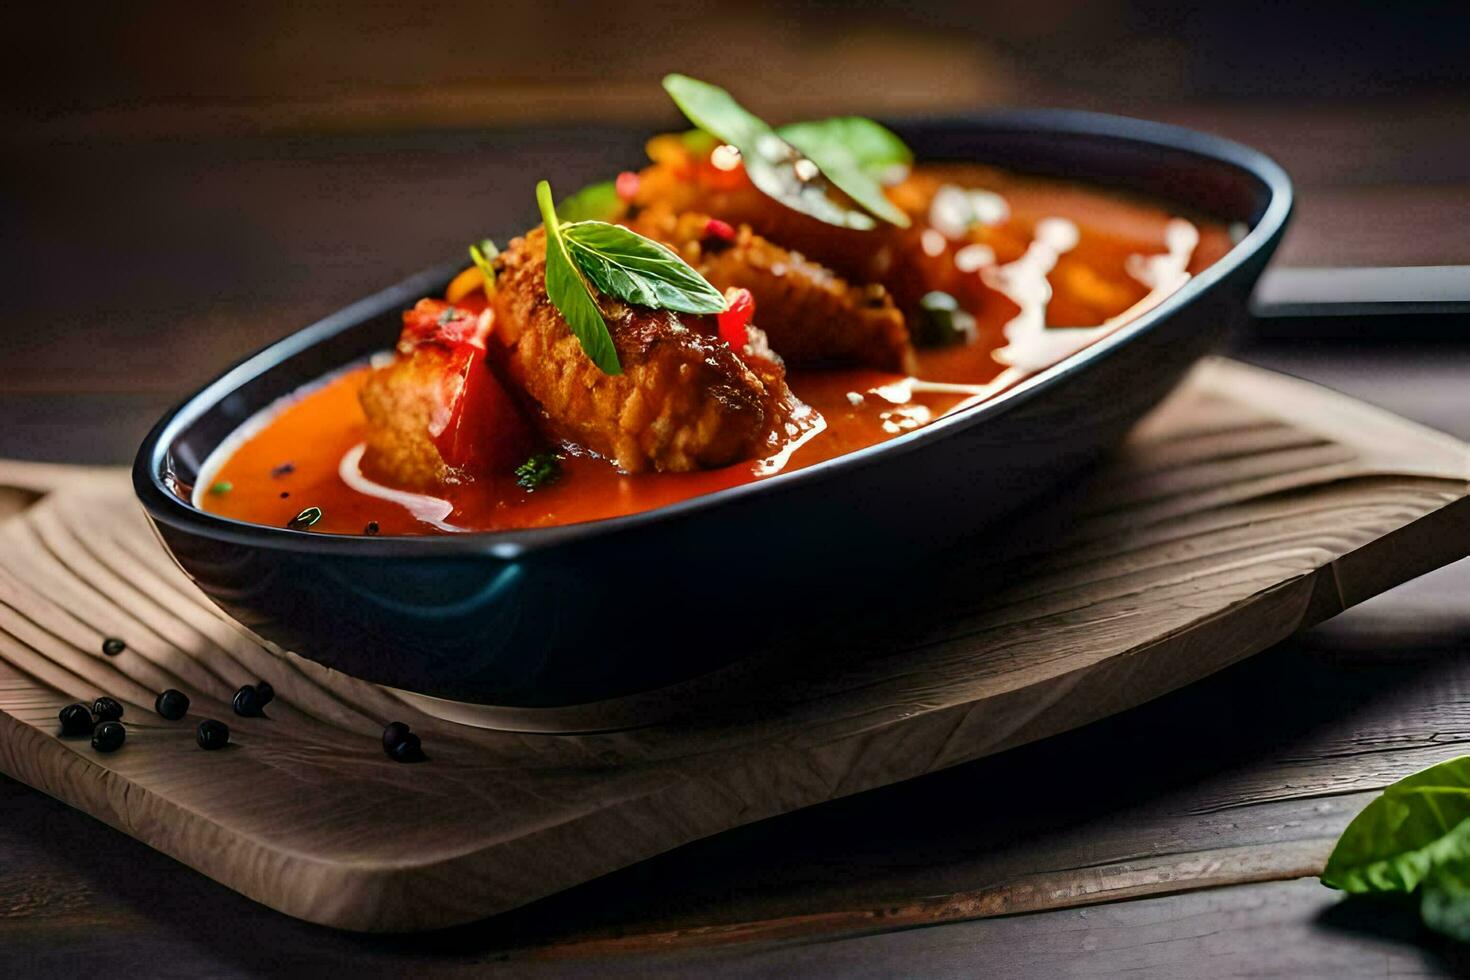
404 401
812 315
684 401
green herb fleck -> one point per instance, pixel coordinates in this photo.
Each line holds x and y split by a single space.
538 471
596 202
483 255
448 314
1415 837
305 519
941 322
571 295
221 488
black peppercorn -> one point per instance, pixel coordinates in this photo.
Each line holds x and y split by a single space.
109 736
76 719
393 733
410 749
106 709
212 734
265 693
112 646
246 702
172 704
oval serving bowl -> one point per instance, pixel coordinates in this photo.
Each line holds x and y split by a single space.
585 612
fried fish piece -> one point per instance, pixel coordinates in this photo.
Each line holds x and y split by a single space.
437 414
902 260
811 315
685 400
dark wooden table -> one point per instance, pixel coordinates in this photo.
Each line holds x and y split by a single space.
138 268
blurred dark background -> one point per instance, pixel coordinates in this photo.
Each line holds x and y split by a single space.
181 182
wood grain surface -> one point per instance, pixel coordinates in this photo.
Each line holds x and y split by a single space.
1246 508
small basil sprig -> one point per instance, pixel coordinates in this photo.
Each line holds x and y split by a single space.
1416 836
595 202
773 165
618 262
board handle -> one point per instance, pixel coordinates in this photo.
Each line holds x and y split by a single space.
24 484
1411 303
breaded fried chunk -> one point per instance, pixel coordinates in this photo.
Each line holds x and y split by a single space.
403 401
886 254
685 400
811 315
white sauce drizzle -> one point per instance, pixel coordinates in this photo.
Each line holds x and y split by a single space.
429 510
955 210
805 424
1030 344
974 257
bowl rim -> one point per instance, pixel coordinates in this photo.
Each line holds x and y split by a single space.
166 507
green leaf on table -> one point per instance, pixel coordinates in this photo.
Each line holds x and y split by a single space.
1444 900
571 295
1419 824
857 155
622 263
595 202
774 166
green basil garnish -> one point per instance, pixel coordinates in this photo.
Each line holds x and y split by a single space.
858 156
622 263
1415 836
595 202
774 166
571 295
618 262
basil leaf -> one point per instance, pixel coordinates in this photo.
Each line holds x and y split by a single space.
856 154
595 202
874 147
622 263
1419 824
773 165
1445 903
569 292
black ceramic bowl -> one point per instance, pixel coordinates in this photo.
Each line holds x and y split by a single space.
579 613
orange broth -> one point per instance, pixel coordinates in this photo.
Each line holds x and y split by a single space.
292 461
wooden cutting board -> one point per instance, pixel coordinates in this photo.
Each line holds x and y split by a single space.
1247 507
